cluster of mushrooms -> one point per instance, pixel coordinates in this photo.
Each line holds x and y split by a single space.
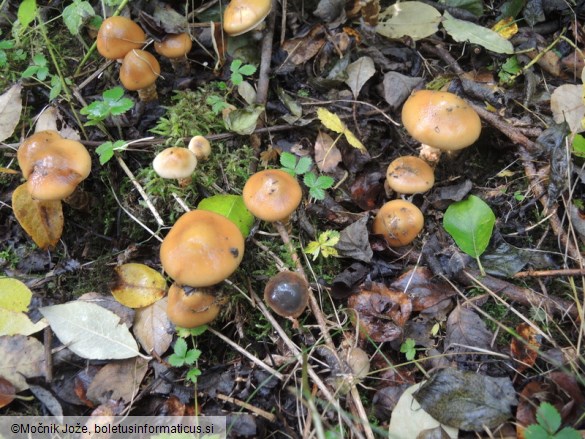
204 248
441 121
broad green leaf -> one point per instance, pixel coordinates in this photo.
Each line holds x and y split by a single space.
91 331
462 31
233 208
288 160
304 165
579 146
39 60
548 417
75 15
413 19
535 431
511 8
568 433
310 179
324 182
470 223
29 72
27 12
317 193
113 94
247 70
473 6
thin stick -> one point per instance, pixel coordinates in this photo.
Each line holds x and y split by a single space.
266 56
269 416
550 273
139 188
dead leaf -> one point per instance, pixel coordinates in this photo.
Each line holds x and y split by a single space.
10 110
368 188
118 380
138 285
51 119
566 104
301 50
354 241
48 401
398 87
22 357
358 73
41 220
424 290
153 329
125 313
525 351
327 155
466 328
7 392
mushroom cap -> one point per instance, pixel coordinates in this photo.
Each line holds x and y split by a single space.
174 162
410 175
440 119
241 16
272 195
117 36
139 70
399 221
174 45
202 249
287 294
189 308
201 147
52 165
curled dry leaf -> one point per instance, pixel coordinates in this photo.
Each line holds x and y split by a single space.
525 351
327 155
22 357
10 109
566 104
7 392
41 220
152 327
138 285
424 290
118 380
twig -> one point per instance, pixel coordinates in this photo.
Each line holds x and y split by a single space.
269 416
265 58
550 273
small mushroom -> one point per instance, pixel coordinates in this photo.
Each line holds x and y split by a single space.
53 166
175 47
139 72
191 307
441 121
287 294
202 249
410 175
117 36
175 162
242 16
272 195
399 221
201 147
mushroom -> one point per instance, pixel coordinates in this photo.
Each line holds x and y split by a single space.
272 195
441 121
201 147
191 307
399 221
53 166
202 249
241 16
175 47
117 36
410 175
175 162
139 72
287 294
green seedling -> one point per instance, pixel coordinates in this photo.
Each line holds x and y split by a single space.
39 69
106 150
548 423
8 53
113 104
238 72
183 356
408 348
292 166
75 14
509 70
316 185
325 245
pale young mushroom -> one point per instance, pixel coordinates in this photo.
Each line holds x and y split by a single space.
201 147
175 163
399 221
242 16
441 121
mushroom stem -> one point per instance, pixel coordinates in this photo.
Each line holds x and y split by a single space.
181 66
148 94
281 228
430 155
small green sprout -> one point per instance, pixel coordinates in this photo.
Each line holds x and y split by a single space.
325 245
316 185
183 356
408 348
113 104
239 71
548 423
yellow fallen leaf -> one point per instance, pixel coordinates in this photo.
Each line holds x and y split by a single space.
506 27
41 220
334 123
14 295
353 141
138 285
18 323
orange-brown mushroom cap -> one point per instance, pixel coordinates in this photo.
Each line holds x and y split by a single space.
139 70
399 221
440 119
410 175
241 16
272 195
52 165
189 308
287 294
202 249
174 45
174 162
117 36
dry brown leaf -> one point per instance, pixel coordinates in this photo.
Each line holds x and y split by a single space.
41 220
7 392
327 155
525 351
10 109
118 380
152 327
22 357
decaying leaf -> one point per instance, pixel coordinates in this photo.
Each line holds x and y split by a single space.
74 323
424 290
465 330
41 220
327 155
467 400
118 380
566 104
51 119
7 392
525 351
10 109
413 19
152 327
358 73
22 357
462 31
138 285
300 50
354 243
48 401
397 88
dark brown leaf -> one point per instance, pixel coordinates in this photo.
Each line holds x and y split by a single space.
465 327
354 243
423 289
7 392
525 351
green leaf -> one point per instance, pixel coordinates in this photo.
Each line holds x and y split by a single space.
329 238
42 73
235 65
317 193
6 44
508 69
313 248
548 417
198 330
324 182
473 6
192 356
233 208
106 150
303 165
55 87
76 14
27 12
310 179
535 431
470 223
29 72
288 160
568 433
39 60
247 70
462 31
579 146
113 94
180 347
243 121
193 374
237 78
414 19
